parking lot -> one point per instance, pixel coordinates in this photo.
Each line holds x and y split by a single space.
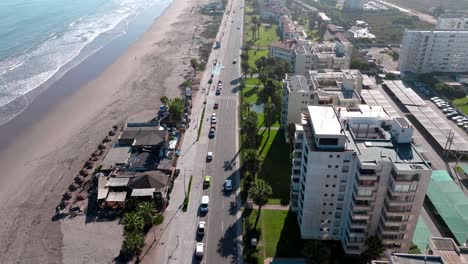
383 57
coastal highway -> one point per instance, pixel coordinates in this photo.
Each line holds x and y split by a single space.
176 238
222 240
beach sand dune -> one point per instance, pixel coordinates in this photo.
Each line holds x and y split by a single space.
39 165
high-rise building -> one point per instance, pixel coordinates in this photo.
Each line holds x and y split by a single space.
318 88
356 174
452 21
353 4
424 51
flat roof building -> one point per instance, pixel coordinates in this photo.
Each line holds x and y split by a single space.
356 174
318 88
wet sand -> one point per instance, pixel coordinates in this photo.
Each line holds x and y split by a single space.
43 149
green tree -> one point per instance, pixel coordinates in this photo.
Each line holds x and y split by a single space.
269 88
252 161
194 64
176 109
258 24
374 249
413 249
253 28
133 244
164 100
249 126
245 68
281 67
261 63
263 76
391 76
269 111
147 211
246 106
317 252
134 222
259 192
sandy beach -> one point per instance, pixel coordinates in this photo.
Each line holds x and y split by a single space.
39 164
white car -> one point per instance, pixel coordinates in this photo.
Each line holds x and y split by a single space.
201 228
434 98
199 250
204 203
234 61
228 185
209 156
456 117
213 120
213 115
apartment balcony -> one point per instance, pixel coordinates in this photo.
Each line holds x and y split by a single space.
371 188
360 207
355 216
358 225
365 198
368 177
398 203
386 241
297 163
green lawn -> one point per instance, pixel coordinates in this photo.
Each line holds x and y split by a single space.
280 235
267 36
255 54
276 166
251 81
462 104
250 93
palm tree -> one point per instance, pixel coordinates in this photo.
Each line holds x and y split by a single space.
245 67
317 252
194 64
164 100
253 28
146 210
252 161
133 243
133 222
260 191
269 110
258 24
375 249
246 106
250 127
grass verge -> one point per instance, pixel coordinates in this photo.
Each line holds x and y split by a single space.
187 195
201 123
461 104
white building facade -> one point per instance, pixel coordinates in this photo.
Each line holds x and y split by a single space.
355 174
336 88
303 56
452 22
434 51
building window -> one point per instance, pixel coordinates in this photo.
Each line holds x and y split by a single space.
328 176
335 176
340 197
326 185
325 195
329 166
344 178
324 203
342 188
345 168
332 195
331 156
331 204
323 213
337 156
334 186
337 166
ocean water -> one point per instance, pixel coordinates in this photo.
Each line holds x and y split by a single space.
40 38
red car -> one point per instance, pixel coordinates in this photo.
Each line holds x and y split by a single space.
216 105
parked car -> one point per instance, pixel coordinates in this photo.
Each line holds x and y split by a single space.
234 61
206 181
213 120
199 250
209 156
212 132
434 98
201 228
228 185
216 106
204 203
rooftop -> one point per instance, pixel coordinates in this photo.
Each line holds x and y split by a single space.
297 83
324 120
143 135
363 111
116 156
324 17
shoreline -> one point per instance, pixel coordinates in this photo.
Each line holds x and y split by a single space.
75 75
41 156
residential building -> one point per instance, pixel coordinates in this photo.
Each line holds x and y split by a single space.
303 56
270 3
356 174
291 29
424 51
337 88
353 4
441 251
452 21
274 13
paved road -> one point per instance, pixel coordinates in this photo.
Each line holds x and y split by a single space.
176 237
224 223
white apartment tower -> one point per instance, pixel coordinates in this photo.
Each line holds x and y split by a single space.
434 51
355 174
452 22
318 88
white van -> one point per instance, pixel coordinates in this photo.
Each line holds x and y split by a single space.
205 200
199 250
